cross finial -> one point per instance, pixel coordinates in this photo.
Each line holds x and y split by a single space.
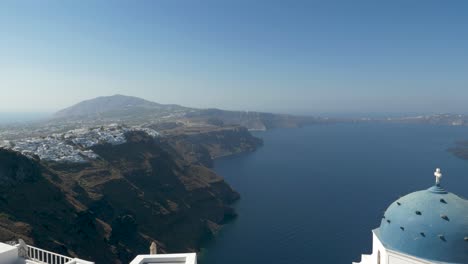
438 175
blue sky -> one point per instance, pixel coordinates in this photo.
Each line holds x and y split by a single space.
282 56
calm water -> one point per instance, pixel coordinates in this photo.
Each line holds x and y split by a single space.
312 195
21 117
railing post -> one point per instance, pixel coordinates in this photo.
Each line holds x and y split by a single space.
153 249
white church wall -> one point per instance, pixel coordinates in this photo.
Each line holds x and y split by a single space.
377 249
395 257
381 255
388 256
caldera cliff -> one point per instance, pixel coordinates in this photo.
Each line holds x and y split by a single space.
110 209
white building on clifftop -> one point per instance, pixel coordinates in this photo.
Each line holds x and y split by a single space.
428 226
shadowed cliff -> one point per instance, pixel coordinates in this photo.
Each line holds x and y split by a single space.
113 207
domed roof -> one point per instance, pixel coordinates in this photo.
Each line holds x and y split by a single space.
431 224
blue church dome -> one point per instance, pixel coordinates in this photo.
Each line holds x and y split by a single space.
431 224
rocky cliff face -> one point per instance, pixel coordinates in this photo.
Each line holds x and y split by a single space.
202 146
41 212
253 120
112 208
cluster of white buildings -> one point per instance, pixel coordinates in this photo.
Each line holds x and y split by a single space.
87 138
73 146
52 148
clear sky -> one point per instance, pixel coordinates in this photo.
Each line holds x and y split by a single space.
288 56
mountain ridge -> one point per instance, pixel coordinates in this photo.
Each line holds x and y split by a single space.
103 104
134 110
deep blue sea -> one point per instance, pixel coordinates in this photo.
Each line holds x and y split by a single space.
313 195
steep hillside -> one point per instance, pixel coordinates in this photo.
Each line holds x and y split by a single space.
202 145
252 120
113 207
49 219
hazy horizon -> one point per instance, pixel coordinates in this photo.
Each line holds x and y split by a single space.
32 115
303 58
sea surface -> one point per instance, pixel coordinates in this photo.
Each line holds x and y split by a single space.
7 118
313 195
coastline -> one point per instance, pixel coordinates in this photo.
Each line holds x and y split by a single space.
170 172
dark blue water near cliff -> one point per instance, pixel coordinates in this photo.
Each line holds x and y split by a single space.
313 195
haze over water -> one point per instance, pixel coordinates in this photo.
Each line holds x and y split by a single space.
313 195
22 117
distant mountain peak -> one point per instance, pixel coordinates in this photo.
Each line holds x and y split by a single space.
134 111
117 104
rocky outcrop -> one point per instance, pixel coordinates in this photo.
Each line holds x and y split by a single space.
201 145
460 149
112 208
40 210
252 120
16 169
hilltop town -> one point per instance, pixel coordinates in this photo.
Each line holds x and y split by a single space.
73 145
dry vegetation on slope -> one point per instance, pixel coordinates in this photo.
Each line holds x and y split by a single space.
113 207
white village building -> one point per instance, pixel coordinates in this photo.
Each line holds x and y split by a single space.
428 226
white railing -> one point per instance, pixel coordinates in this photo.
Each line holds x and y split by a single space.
47 257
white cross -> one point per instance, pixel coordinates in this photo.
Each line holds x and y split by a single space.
438 175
